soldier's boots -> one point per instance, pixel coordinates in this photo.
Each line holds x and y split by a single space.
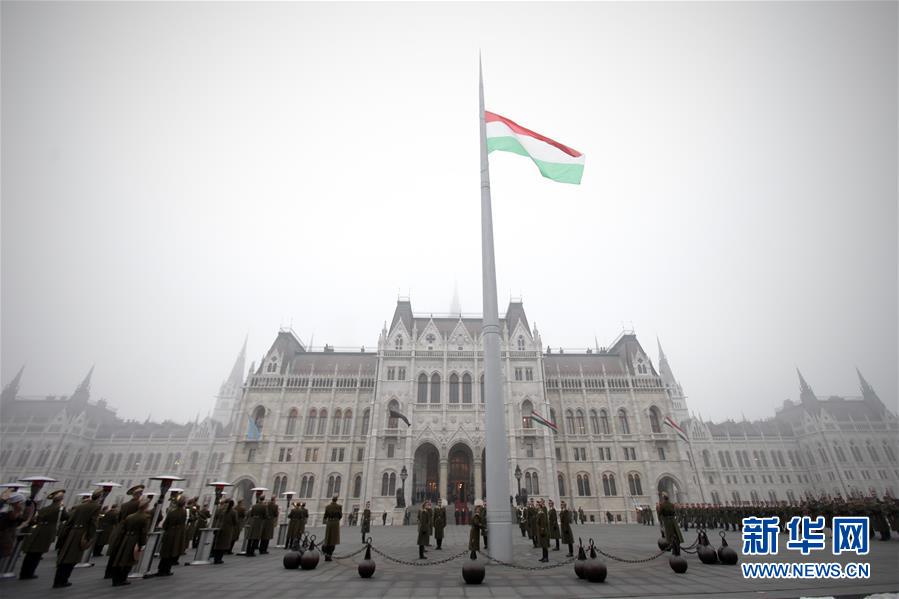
421 552
545 557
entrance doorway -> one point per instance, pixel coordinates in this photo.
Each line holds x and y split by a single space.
425 470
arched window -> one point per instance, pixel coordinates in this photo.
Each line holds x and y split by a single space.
194 457
306 486
322 421
310 422
291 427
347 421
481 390
569 422
454 388
579 421
561 480
279 487
422 388
366 418
466 388
398 342
604 422
385 484
608 485
138 458
623 426
594 422
526 410
336 422
259 419
654 420
357 486
634 484
873 452
521 343
583 485
706 458
392 488
535 484
891 455
333 485
392 421
435 388
552 417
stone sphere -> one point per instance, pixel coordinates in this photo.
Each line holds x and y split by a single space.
366 568
292 560
579 567
473 572
707 554
727 555
595 570
310 559
678 564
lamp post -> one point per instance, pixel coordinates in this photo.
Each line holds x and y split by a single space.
401 500
518 478
282 527
8 566
87 559
201 557
146 558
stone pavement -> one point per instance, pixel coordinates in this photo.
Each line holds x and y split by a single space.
265 576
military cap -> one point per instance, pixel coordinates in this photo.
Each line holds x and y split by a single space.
135 489
55 494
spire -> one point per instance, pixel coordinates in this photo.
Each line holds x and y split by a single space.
868 392
806 395
236 377
11 390
456 305
79 398
664 367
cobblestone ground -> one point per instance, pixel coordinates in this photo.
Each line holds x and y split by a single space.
265 576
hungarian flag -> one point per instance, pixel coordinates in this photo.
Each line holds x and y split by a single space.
555 161
669 421
541 420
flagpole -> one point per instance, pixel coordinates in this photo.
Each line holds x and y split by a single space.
499 517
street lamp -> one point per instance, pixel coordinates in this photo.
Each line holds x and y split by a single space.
201 558
282 527
146 558
259 491
518 478
88 555
36 483
401 500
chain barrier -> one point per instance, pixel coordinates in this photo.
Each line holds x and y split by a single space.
518 567
631 561
418 563
349 555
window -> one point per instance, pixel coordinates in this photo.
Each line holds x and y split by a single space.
531 483
347 421
706 458
333 485
481 390
401 374
605 453
661 451
454 388
390 450
559 454
310 422
466 388
856 452
251 454
623 426
357 486
736 496
873 452
335 423
398 342
391 373
360 453
289 456
594 422
561 480
366 416
630 453
306 486
388 484
519 374
392 421
527 409
422 388
891 455
279 487
634 484
579 421
435 388
609 488
604 422
521 343
654 420
258 421
322 421
291 422
583 485
281 453
430 338
529 448
569 422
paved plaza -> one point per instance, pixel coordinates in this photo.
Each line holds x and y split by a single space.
265 576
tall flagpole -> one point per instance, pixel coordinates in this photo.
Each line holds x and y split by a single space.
499 514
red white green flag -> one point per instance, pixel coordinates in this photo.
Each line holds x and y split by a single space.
556 161
669 422
541 420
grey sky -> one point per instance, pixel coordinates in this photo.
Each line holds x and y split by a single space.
175 176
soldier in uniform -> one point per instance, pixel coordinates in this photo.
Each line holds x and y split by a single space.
241 522
424 528
128 508
565 516
107 519
332 516
542 528
258 515
581 515
366 520
668 519
193 520
203 516
522 522
553 517
439 522
172 545
384 519
41 534
268 531
77 535
132 539
477 523
532 521
226 521
293 526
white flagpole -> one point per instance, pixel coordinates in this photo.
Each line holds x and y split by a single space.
499 517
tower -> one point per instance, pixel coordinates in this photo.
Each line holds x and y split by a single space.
11 390
229 392
674 389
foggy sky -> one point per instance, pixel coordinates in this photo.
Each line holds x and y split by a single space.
178 176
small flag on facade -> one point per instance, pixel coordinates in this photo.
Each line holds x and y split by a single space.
395 414
669 421
536 417
253 432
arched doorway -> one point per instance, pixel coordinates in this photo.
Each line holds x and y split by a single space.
425 472
668 484
242 491
460 482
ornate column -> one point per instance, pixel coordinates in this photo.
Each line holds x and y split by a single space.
441 479
478 491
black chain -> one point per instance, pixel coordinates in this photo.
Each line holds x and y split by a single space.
349 555
630 561
418 563
518 567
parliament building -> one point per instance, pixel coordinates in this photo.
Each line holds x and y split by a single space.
604 428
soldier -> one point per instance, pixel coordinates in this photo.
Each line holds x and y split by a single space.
203 516
484 528
333 514
384 519
132 539
172 545
477 523
108 518
127 508
553 516
258 515
532 521
542 527
366 520
228 527
304 518
581 515
522 522
424 527
268 531
241 522
193 520
565 516
293 527
77 535
668 519
439 522
41 534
